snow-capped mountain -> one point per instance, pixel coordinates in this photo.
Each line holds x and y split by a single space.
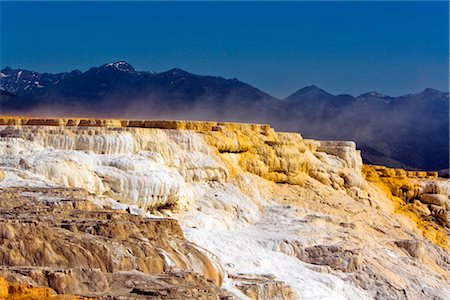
408 131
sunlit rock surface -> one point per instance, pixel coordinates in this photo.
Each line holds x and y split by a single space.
74 243
268 215
14 291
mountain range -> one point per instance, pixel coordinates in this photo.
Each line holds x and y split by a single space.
410 131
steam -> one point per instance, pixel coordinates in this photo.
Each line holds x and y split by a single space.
387 133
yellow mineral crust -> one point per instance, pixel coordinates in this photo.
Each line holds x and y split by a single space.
161 124
402 187
26 291
255 148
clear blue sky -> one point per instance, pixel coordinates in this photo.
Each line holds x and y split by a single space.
343 47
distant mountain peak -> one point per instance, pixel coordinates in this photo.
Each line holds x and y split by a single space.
312 91
177 71
11 71
311 88
6 69
121 66
375 96
431 92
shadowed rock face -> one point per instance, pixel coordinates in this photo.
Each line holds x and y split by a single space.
183 209
61 239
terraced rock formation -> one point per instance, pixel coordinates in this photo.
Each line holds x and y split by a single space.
182 209
14 291
62 239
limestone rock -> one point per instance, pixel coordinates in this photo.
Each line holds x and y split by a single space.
334 256
260 287
130 209
26 291
436 199
56 244
404 191
435 187
413 247
4 288
344 150
421 208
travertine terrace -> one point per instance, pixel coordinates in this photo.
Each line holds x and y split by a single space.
130 209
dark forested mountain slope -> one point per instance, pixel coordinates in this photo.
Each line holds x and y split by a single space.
408 131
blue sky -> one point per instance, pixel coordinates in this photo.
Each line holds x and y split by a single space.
279 47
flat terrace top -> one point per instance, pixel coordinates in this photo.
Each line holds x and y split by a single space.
161 124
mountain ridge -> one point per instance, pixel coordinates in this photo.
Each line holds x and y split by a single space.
420 121
129 68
